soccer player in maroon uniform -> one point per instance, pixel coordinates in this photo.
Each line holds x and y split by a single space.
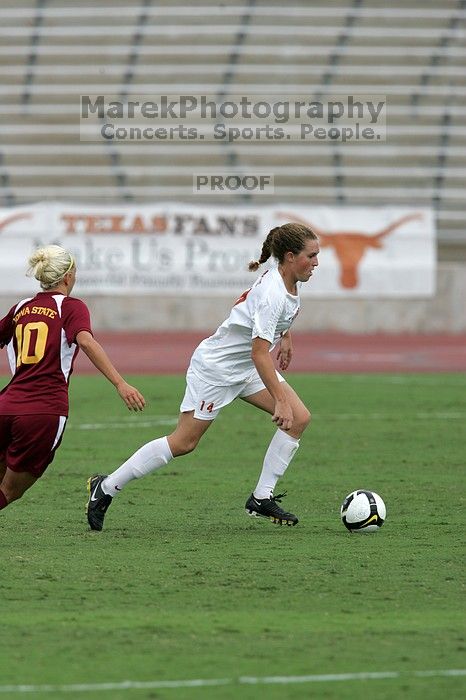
43 335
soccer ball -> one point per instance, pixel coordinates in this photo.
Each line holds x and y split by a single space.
363 511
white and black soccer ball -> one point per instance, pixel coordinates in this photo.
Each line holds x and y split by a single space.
363 511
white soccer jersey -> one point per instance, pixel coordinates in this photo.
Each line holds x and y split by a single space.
265 311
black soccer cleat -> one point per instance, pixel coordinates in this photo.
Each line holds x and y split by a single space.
269 508
97 503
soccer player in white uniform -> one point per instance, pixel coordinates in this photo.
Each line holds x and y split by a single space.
236 362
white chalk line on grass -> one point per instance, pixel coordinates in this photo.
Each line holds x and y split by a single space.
418 415
132 423
425 379
172 420
242 680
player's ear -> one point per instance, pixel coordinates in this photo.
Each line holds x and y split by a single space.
68 278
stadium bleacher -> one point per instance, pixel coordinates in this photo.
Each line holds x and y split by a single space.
412 52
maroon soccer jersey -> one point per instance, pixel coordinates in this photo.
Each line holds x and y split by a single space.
41 337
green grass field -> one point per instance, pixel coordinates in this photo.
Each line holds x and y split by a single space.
182 585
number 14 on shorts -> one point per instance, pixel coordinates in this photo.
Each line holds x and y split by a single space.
207 407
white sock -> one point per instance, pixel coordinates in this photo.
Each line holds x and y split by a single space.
277 458
152 455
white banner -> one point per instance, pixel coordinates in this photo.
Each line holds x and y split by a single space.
387 252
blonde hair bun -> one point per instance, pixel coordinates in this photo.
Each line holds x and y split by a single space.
49 265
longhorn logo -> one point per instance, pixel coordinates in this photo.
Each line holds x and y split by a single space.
12 218
349 246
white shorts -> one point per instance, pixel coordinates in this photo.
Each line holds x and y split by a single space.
206 400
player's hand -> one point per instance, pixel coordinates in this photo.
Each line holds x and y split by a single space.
134 400
283 415
285 352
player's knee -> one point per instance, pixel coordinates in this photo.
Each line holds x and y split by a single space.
302 420
185 447
11 494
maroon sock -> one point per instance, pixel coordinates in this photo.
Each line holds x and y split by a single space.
3 501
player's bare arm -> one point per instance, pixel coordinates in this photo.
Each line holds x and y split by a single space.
283 415
133 399
285 351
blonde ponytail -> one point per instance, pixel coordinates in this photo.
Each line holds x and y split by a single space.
49 265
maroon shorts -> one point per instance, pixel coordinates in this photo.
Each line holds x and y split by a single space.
28 443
